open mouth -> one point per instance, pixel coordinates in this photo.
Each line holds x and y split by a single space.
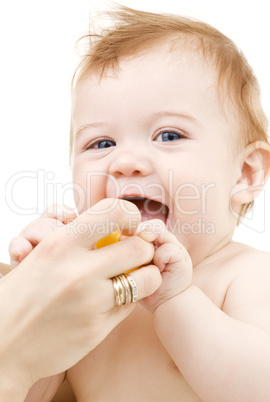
149 209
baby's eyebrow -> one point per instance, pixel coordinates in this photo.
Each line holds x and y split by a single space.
154 115
167 113
89 125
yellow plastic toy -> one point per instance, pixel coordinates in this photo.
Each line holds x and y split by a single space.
111 239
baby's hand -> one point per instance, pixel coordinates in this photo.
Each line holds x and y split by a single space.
53 217
171 258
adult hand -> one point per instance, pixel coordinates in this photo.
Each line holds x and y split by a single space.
60 301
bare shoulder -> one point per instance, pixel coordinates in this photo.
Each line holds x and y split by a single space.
252 263
256 255
248 296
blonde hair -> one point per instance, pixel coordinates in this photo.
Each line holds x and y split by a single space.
133 31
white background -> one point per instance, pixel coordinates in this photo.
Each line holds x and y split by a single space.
38 57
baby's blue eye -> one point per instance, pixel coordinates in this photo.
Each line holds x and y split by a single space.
168 136
100 144
104 144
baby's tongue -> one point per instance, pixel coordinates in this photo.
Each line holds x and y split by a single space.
150 209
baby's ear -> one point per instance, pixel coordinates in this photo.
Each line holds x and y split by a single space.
254 166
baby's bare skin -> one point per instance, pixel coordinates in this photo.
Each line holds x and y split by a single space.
132 364
209 337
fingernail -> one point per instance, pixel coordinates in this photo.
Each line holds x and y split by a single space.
145 227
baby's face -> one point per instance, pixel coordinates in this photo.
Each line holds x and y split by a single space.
156 130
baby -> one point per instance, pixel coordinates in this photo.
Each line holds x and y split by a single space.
166 114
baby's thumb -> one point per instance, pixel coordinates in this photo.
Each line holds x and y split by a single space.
61 212
19 248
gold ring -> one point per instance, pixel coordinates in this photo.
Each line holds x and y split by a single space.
125 283
133 288
116 292
125 289
122 293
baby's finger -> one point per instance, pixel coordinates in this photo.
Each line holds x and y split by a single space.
61 212
19 248
39 229
155 230
169 257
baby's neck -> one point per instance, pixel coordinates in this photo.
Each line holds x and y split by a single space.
228 248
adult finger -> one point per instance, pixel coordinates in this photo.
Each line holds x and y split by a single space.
147 279
102 219
123 256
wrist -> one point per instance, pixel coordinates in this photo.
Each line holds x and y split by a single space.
171 300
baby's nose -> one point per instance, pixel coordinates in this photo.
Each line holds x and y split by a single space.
130 164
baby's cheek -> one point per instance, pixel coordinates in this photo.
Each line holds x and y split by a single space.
88 187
